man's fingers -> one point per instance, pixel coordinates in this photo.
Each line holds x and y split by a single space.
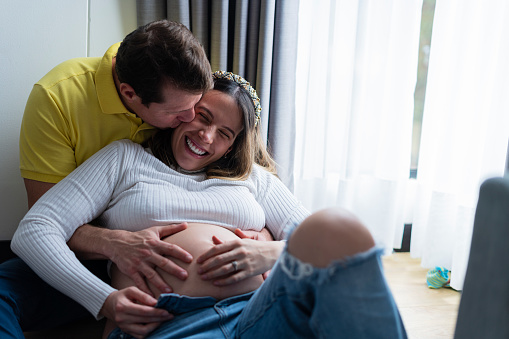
173 269
141 284
174 251
166 265
165 231
154 277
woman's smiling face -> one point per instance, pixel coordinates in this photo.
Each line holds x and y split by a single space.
210 135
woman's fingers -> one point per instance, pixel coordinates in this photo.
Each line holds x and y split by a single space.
216 240
241 234
232 279
218 249
140 331
135 312
219 260
221 271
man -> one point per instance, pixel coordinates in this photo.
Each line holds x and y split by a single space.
151 80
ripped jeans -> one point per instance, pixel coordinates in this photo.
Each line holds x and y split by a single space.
348 299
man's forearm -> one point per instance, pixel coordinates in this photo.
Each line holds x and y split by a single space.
90 242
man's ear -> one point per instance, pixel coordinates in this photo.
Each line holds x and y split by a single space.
128 93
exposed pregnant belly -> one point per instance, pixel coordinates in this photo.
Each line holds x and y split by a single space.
196 239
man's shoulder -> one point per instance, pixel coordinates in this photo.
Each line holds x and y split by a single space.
69 70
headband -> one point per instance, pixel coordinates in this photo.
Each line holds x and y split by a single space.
247 86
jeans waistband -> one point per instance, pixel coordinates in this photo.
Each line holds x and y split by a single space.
178 304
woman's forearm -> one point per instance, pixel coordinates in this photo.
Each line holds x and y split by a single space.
49 256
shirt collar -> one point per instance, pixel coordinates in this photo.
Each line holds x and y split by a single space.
106 91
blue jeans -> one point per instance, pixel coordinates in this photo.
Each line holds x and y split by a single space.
348 299
27 303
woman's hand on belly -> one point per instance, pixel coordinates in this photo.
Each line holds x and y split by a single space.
263 235
229 262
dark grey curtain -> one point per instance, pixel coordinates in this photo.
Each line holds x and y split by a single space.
256 39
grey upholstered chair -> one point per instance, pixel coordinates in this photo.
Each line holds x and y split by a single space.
484 305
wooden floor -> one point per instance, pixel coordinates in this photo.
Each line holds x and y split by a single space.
427 313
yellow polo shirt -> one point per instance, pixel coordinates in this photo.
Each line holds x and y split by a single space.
71 113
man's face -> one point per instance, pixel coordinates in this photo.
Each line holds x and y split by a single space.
177 106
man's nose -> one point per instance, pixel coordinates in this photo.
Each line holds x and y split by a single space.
187 116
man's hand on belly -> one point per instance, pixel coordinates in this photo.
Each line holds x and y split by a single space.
138 254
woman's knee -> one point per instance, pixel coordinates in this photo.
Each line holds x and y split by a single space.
329 235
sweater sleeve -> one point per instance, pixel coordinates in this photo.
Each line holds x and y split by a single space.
283 211
41 238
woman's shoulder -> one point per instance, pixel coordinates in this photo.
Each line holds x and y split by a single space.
260 170
261 176
125 150
125 146
124 143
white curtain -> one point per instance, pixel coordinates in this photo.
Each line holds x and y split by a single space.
356 75
465 128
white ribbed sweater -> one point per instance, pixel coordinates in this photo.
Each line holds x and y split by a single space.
127 188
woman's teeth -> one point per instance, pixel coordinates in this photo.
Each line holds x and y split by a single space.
193 148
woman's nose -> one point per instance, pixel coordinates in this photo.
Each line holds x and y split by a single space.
206 134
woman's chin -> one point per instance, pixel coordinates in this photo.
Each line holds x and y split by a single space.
192 168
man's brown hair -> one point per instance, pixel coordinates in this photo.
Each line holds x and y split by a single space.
160 52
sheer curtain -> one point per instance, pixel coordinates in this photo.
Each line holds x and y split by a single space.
356 75
465 128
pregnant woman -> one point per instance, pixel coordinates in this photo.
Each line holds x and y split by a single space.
215 174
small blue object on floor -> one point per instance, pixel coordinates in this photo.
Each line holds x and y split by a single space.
438 277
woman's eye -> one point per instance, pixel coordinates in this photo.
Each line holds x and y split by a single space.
204 117
226 135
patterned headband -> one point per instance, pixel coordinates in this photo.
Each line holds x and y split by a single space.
247 86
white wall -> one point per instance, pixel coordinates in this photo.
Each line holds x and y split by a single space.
34 37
